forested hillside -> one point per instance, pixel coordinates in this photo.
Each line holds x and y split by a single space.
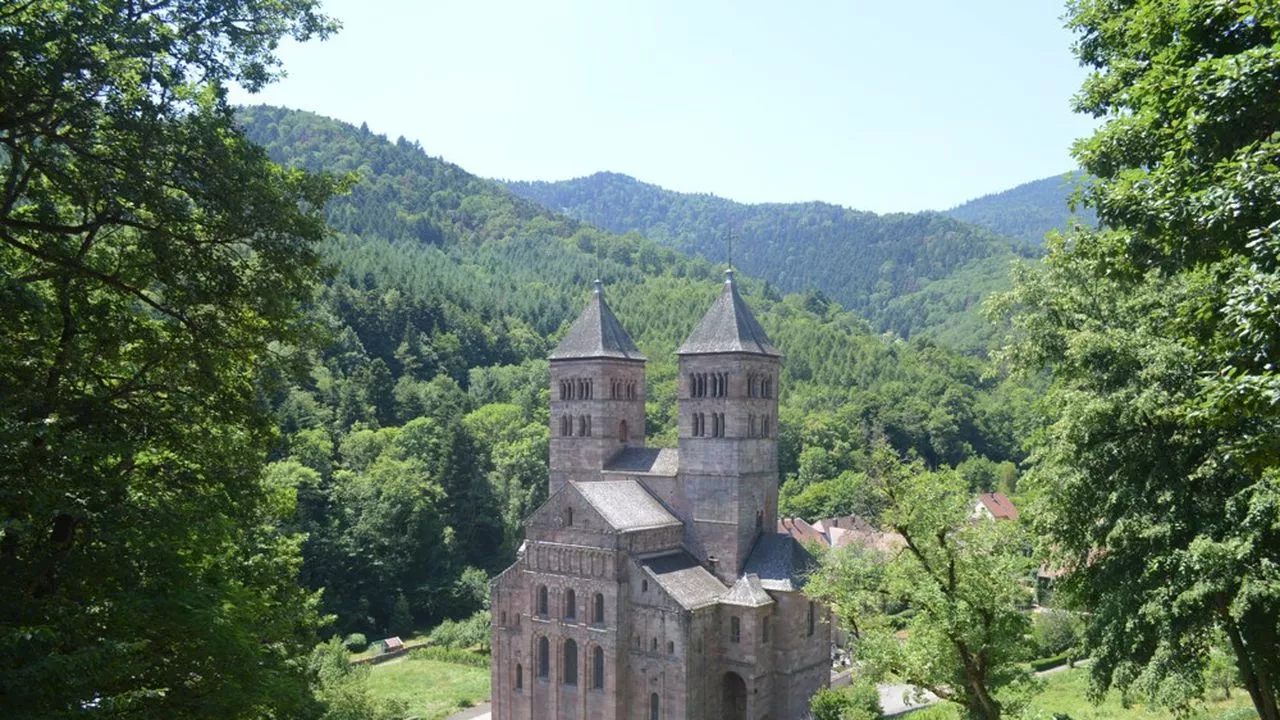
1027 211
893 269
420 440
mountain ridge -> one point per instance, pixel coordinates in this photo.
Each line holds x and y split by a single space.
880 265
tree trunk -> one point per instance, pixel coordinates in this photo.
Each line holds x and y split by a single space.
1260 685
984 705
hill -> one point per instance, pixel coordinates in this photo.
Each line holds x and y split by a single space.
1027 211
890 268
418 440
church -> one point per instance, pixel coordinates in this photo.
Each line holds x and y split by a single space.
652 584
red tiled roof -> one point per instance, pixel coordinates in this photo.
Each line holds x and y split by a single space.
999 505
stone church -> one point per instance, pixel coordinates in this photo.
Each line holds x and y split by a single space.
652 584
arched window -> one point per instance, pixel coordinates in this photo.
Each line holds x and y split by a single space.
764 426
542 600
654 711
584 425
764 629
751 426
653 645
597 615
544 657
568 519
644 586
715 424
597 668
623 436
811 620
570 604
570 663
671 648
519 677
735 629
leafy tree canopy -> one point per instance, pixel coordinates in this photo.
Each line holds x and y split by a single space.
1160 475
152 261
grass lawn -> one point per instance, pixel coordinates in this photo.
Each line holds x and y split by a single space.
433 689
1064 692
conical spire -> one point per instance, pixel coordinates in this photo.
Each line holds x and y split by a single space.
596 334
729 326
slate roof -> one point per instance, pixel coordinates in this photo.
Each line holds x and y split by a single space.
646 461
596 334
781 562
729 326
748 591
684 579
625 505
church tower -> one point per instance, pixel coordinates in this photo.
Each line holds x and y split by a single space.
728 433
597 394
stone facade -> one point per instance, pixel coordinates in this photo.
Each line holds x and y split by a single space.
651 584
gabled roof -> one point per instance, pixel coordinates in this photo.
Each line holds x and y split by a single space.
781 562
625 505
687 582
748 591
646 461
729 326
596 334
999 505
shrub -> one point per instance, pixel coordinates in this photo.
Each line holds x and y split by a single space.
449 655
472 632
1055 631
1049 662
356 642
859 701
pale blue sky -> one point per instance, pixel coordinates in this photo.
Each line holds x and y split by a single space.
875 105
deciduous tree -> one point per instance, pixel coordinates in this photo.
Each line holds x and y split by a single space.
962 581
151 262
1160 472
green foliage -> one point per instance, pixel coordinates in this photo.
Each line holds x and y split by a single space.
858 701
1051 661
342 689
451 655
963 579
463 635
892 268
1029 211
1056 631
1160 474
356 642
401 620
152 266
